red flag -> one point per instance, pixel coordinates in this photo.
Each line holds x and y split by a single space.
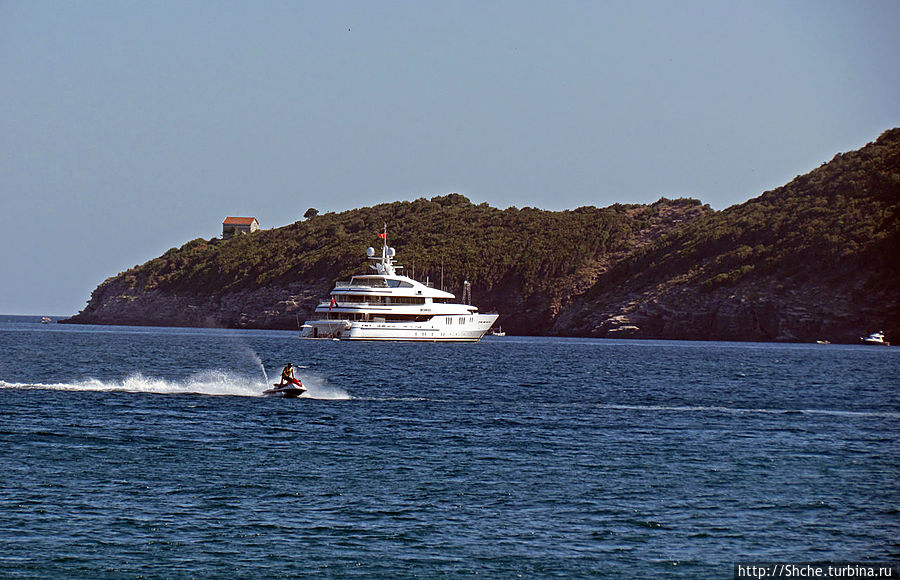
333 304
382 235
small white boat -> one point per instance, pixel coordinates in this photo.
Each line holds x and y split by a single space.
46 320
498 331
876 338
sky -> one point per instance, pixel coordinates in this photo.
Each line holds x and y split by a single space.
131 127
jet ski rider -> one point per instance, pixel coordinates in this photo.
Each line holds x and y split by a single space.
287 377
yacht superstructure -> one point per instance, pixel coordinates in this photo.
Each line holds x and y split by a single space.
388 306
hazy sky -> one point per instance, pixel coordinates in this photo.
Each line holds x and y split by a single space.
128 128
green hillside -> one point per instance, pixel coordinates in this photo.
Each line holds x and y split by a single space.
826 242
844 214
475 242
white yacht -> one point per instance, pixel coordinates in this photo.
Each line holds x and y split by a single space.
388 306
876 338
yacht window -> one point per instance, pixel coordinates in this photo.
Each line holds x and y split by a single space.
368 281
462 319
406 300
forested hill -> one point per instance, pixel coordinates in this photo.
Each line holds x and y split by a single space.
816 259
812 259
525 260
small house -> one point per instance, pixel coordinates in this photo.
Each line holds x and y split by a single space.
238 225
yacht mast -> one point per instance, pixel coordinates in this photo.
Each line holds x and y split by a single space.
385 265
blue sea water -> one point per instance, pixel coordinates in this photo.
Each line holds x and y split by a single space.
149 452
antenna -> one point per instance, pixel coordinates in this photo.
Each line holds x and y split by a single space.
385 264
467 292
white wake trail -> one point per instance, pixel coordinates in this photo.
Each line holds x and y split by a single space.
319 388
205 383
214 382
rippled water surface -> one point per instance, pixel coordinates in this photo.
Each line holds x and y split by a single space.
150 452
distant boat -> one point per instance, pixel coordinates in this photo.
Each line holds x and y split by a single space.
876 338
46 320
823 342
498 331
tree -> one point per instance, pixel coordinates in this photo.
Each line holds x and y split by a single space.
311 212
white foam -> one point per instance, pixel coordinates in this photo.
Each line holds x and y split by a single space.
214 382
319 388
207 383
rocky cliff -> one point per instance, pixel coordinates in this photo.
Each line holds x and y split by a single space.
814 259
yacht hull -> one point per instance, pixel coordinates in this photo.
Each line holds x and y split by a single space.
435 330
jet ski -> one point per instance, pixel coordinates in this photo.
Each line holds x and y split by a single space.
285 392
289 391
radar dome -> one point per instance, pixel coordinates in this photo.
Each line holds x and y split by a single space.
391 252
370 251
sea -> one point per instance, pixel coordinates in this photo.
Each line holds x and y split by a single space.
133 452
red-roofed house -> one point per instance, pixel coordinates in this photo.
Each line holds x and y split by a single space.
238 225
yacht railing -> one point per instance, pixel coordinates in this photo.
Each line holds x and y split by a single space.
395 302
377 283
366 283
